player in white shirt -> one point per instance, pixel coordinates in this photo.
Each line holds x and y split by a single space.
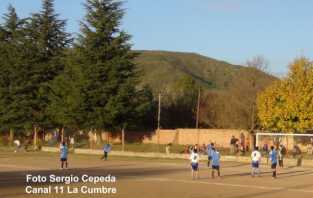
17 144
256 161
194 158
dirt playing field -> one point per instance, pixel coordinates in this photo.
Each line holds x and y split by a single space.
136 178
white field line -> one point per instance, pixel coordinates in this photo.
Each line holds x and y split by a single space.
19 167
221 184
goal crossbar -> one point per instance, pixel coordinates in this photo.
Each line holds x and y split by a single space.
281 134
285 134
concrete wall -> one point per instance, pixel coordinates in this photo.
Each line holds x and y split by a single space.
221 137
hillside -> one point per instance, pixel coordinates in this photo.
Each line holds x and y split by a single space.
228 95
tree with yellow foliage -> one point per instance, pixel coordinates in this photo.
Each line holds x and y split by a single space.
287 105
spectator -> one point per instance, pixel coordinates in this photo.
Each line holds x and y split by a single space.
204 148
265 151
247 144
297 153
237 146
242 150
242 142
168 148
72 142
265 148
196 146
233 141
190 149
280 156
186 149
27 144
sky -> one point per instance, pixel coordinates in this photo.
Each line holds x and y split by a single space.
229 30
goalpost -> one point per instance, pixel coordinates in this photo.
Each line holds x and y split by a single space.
289 140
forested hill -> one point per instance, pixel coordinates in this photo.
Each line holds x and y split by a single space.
228 91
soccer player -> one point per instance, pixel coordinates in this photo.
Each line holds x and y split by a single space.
256 161
194 158
63 153
17 144
273 158
106 150
210 151
215 163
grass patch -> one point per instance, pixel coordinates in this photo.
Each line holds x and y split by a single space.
136 147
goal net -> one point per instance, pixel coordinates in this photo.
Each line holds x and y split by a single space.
290 141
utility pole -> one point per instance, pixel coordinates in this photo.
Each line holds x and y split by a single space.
159 121
252 118
198 108
197 120
159 111
123 139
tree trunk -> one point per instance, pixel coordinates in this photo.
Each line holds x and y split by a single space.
98 137
108 138
90 136
123 139
11 137
35 138
62 134
158 140
252 117
198 109
198 137
43 137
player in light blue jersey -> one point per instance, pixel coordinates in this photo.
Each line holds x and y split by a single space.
215 163
210 152
273 158
63 155
106 150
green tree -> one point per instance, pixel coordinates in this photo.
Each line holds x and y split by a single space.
12 59
145 116
33 50
65 96
50 40
110 93
179 111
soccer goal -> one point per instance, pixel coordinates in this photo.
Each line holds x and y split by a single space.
304 142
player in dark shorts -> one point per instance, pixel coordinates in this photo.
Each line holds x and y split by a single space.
215 163
210 151
106 150
256 161
273 158
194 159
63 155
